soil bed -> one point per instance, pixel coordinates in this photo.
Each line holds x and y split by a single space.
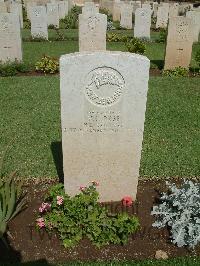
27 244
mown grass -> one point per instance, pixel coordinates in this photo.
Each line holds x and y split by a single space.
33 51
30 126
185 261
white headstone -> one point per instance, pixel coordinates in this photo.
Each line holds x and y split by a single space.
17 8
52 15
3 7
102 114
39 22
142 23
162 17
62 9
195 18
126 20
173 10
92 32
116 10
89 8
179 43
10 38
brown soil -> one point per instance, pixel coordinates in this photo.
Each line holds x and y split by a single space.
27 244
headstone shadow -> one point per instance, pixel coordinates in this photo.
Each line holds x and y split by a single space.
56 149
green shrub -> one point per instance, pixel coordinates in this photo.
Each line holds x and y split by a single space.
113 37
12 202
47 65
197 57
71 20
59 35
74 218
162 36
12 68
107 13
51 26
176 72
135 45
27 24
116 24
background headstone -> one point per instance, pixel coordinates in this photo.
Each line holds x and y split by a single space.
142 23
103 113
126 20
92 32
195 18
162 17
179 43
52 15
116 10
39 22
10 38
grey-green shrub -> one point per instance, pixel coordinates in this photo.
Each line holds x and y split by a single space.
180 210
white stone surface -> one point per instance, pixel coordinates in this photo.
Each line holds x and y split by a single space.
179 43
195 18
174 10
162 17
39 22
116 10
3 7
10 38
17 8
89 8
126 16
62 9
92 32
102 114
52 15
142 23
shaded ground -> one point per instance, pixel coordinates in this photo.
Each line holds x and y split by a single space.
29 245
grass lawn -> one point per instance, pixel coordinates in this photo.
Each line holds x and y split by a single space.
30 126
33 51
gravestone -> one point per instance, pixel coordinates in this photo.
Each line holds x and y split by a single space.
52 15
10 38
89 8
174 10
39 22
102 114
107 4
195 19
155 9
62 9
3 7
116 10
142 23
145 5
126 20
179 43
17 8
135 6
162 17
92 31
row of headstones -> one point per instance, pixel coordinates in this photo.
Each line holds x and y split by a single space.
92 36
123 12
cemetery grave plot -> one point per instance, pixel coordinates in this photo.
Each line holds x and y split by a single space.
39 246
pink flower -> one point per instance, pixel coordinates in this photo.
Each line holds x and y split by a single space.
60 200
40 222
44 207
95 183
82 188
127 201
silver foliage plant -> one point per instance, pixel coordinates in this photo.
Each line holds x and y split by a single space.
180 210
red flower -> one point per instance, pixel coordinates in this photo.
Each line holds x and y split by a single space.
127 201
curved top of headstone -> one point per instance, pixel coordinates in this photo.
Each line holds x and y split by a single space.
106 54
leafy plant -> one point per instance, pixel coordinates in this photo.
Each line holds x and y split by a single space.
59 35
162 36
12 202
51 26
180 210
176 72
113 37
106 12
71 20
12 68
197 57
74 218
47 65
135 45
